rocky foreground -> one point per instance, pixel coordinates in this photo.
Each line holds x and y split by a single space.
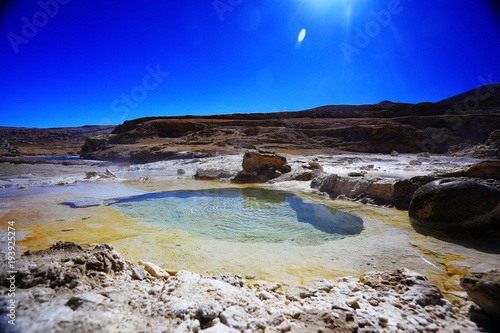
68 289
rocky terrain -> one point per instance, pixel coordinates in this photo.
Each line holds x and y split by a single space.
66 288
260 166
398 192
71 289
421 158
463 123
61 141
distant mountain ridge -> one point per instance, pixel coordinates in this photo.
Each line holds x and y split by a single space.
452 125
372 128
11 131
356 111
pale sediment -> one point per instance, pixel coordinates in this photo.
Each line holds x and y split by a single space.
387 243
66 289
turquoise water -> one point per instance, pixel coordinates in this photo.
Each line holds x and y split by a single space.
249 215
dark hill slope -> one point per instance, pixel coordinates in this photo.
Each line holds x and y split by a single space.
484 96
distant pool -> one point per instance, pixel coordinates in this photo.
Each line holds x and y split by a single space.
247 215
61 158
53 158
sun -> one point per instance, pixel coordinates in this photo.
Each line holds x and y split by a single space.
302 35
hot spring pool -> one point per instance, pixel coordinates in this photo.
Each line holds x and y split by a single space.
245 215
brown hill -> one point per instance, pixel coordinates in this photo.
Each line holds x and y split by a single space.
377 128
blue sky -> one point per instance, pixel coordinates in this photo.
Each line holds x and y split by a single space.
72 63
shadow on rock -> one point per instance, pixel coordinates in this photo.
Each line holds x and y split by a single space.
482 240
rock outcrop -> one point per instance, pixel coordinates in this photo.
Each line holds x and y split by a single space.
68 289
93 144
422 291
371 190
261 165
399 192
493 143
5 147
212 174
106 149
368 190
83 203
107 174
455 205
484 290
483 170
304 172
59 141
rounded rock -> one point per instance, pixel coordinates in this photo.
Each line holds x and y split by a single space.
258 160
449 205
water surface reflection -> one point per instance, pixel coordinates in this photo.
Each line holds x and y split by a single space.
242 215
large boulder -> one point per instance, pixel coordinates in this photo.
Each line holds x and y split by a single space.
452 205
261 165
256 160
92 144
484 290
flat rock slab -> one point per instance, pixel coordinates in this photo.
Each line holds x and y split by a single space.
82 203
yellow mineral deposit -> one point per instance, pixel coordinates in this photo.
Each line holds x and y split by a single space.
388 241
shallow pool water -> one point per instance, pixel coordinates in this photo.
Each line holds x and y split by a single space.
245 215
304 237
